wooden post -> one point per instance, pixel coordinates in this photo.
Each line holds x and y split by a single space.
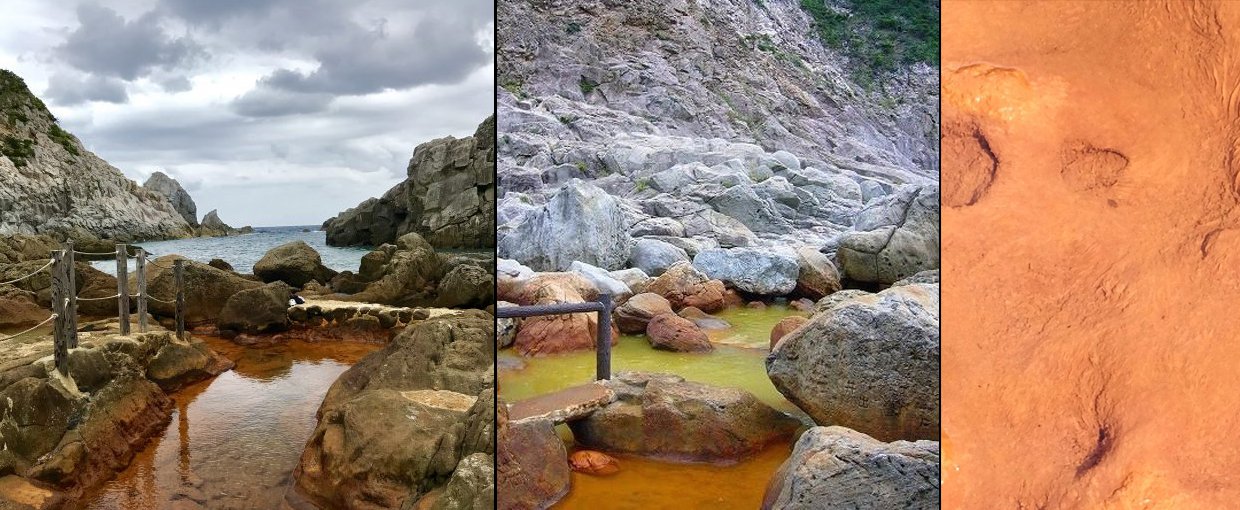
141 291
178 267
602 368
71 308
122 286
60 297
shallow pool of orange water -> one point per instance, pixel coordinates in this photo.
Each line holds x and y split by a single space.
234 440
738 361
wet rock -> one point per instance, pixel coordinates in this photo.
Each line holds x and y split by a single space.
785 326
817 276
254 311
179 363
664 416
683 285
594 463
894 237
869 362
294 263
654 256
768 271
670 332
18 493
580 222
633 316
531 464
835 467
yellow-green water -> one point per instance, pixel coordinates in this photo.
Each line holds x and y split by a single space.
737 361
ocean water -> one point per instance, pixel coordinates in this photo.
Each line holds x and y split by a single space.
244 251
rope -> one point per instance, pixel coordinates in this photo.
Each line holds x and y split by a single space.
114 296
36 326
36 271
156 264
173 302
99 254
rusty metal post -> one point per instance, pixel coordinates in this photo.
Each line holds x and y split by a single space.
602 362
60 297
178 268
141 268
122 286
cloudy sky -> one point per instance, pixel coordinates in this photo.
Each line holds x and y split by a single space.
276 112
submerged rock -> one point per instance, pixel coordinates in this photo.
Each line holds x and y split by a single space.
664 416
869 362
835 467
594 463
671 332
633 316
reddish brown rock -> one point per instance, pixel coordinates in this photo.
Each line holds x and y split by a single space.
594 463
785 326
557 333
683 285
545 288
702 319
19 308
531 464
756 305
671 332
633 316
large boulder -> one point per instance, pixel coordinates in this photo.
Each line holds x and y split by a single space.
767 271
531 464
817 276
255 311
602 280
671 332
394 429
407 276
835 467
785 326
664 416
20 308
466 286
683 285
869 363
181 362
633 315
893 237
580 222
550 334
654 256
207 289
294 263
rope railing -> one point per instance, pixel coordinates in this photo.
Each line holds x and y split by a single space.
36 326
169 302
113 296
36 271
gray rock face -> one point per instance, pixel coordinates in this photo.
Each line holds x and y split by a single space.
601 279
213 226
896 236
654 256
581 222
52 184
159 182
869 362
447 198
770 272
834 467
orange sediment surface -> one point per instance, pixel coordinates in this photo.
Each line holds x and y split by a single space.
234 440
1091 254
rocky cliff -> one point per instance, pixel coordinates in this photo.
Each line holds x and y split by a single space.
50 183
159 182
710 123
447 198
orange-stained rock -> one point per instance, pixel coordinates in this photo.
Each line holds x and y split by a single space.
671 332
633 316
546 288
756 305
594 463
683 285
785 326
552 334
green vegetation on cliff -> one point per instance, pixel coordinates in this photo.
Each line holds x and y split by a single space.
878 35
18 107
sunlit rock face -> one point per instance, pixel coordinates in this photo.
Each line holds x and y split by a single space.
1090 246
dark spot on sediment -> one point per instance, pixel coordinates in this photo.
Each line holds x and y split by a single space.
1101 447
1207 242
968 163
1112 203
1089 168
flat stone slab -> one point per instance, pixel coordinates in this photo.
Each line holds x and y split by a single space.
562 406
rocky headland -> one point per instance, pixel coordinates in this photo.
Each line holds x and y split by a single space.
447 198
